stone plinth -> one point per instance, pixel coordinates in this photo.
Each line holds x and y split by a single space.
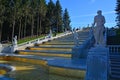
97 63
13 48
77 52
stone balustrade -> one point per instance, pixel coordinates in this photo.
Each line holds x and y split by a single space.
114 48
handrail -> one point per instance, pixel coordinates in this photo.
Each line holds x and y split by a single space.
40 40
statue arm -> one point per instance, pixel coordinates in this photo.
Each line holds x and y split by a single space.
94 22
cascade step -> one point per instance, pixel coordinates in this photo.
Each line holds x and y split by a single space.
115 56
56 46
50 48
72 37
115 77
115 65
115 69
115 62
46 53
72 41
60 43
43 45
115 72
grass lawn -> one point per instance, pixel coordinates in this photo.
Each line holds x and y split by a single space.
33 38
29 39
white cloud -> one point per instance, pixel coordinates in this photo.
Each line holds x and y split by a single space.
88 15
92 1
109 12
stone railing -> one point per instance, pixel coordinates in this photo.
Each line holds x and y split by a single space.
41 40
114 48
12 48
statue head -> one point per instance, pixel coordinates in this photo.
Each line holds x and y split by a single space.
99 12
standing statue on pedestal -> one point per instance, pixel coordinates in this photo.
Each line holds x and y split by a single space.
14 44
14 41
99 21
1 47
50 34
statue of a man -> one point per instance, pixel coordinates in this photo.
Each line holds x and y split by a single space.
99 21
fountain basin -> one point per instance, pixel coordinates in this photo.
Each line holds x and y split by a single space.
4 69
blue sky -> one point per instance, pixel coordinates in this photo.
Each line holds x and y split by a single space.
82 12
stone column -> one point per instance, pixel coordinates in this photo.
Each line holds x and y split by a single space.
97 64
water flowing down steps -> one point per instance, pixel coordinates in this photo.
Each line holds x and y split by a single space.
54 56
115 66
60 47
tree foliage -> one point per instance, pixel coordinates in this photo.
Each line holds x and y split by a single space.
118 13
27 18
66 20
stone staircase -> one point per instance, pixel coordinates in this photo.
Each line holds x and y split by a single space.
115 66
51 59
60 47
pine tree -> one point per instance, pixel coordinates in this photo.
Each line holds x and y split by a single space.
42 9
30 17
58 17
51 15
2 17
66 20
12 5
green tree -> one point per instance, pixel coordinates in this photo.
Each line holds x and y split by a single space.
19 15
66 20
118 13
58 16
51 15
12 5
41 11
32 15
24 17
29 17
2 17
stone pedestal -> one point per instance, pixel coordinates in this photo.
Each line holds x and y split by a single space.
14 48
97 63
77 52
